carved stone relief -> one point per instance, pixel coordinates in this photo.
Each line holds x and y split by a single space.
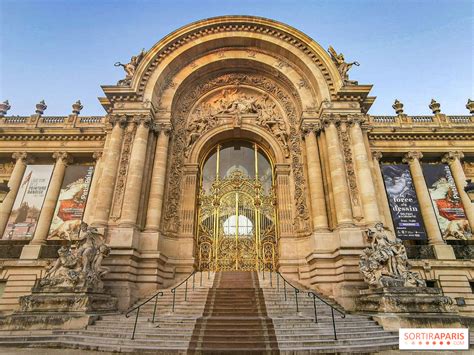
234 103
349 162
122 171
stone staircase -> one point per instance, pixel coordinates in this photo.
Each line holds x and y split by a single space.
297 331
232 312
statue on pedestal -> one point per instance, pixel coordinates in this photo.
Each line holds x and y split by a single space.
130 68
385 263
342 66
79 265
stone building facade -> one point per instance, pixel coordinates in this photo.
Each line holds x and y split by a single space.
235 143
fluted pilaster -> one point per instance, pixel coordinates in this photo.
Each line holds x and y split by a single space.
424 199
14 185
157 188
364 175
454 161
51 198
338 172
315 177
134 183
92 197
106 185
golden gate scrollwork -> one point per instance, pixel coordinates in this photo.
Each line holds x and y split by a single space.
236 221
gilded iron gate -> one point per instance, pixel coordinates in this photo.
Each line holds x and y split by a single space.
236 229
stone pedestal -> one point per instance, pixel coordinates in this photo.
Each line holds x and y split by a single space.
65 299
59 308
405 300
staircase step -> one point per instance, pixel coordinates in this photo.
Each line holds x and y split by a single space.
233 312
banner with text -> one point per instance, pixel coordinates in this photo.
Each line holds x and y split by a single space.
446 202
72 200
404 207
28 202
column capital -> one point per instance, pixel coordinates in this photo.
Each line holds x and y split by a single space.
356 119
23 156
308 128
330 118
450 157
120 120
377 155
144 120
65 157
97 154
162 128
410 157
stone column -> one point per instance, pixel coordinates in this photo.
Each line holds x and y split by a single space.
32 250
157 188
315 177
14 185
51 198
442 251
134 182
454 161
376 156
91 198
338 173
106 187
364 175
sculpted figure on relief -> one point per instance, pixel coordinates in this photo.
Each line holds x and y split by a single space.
385 262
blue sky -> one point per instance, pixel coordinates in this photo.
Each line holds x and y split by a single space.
63 50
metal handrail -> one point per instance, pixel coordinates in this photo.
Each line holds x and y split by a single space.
155 296
286 282
343 315
185 281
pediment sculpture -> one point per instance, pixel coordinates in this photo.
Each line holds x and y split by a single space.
235 103
130 68
342 66
79 265
385 262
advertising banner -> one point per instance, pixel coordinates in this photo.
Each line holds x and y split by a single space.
446 202
404 207
28 202
71 202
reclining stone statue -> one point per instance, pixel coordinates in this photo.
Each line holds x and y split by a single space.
385 262
80 265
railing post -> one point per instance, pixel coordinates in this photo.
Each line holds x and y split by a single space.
296 300
154 309
174 298
135 325
209 274
263 271
194 276
333 323
186 291
271 282
315 312
200 282
278 283
284 287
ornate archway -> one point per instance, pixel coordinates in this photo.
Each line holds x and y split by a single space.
236 227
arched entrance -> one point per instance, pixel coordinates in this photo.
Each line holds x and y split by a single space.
236 217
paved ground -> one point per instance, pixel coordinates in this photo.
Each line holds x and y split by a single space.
46 351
